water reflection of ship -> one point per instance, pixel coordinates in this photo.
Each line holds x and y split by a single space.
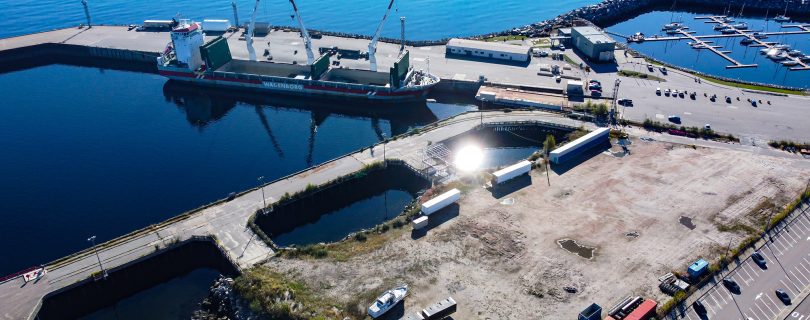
204 106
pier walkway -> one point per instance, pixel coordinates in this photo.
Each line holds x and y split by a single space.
226 221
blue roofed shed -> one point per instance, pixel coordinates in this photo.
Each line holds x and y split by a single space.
698 268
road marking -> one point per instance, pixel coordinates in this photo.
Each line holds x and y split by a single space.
719 306
750 278
780 246
765 315
709 305
687 113
720 293
803 267
756 270
660 116
754 313
797 278
769 308
790 236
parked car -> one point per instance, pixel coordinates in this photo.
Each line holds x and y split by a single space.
782 295
674 119
707 127
625 102
666 92
562 47
758 258
680 94
728 99
650 67
731 285
596 92
699 307
658 91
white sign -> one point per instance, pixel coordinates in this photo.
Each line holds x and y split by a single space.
285 86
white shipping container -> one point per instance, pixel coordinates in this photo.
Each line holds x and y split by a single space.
420 222
441 201
157 23
584 141
511 172
216 25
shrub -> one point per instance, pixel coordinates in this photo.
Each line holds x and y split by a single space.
360 237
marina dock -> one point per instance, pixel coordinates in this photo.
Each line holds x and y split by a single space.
226 221
701 43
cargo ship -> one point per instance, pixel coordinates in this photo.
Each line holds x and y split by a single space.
189 58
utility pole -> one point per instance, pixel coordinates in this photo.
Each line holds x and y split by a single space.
264 201
235 16
92 240
615 98
402 34
87 13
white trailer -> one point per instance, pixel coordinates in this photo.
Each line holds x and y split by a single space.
216 25
157 24
420 222
575 147
511 172
441 201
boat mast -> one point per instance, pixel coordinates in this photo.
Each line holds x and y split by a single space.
249 33
304 34
372 46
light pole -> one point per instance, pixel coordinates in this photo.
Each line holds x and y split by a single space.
261 186
384 143
93 242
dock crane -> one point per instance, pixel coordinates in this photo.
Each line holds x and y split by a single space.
304 34
372 46
249 33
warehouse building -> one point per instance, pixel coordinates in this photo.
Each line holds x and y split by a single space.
593 44
489 50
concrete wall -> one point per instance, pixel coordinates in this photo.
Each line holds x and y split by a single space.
51 53
488 54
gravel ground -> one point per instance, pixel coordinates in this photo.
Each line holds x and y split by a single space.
499 257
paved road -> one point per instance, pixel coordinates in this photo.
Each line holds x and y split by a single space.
787 268
802 311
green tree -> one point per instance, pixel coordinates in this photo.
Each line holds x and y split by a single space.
549 144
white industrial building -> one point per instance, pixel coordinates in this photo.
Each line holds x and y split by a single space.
491 50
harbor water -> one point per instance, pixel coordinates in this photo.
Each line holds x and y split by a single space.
681 54
426 19
90 151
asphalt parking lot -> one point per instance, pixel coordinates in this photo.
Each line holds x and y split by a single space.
787 267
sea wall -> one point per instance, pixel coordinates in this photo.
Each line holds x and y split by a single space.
51 53
86 296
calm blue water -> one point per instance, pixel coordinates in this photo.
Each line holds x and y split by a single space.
502 157
175 299
88 151
335 225
680 53
426 19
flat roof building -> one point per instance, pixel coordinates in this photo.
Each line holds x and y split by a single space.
491 50
594 44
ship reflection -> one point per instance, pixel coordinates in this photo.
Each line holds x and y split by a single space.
204 106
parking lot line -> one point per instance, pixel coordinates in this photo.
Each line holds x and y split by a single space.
773 302
787 287
755 270
802 273
797 278
709 306
781 247
720 294
750 278
717 304
767 315
789 234
753 313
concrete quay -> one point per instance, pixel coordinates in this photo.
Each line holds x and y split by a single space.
226 221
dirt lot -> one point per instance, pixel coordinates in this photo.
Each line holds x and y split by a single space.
499 258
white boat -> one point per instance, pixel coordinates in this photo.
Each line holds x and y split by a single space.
760 35
789 63
764 50
782 46
781 18
672 25
719 26
795 53
741 25
778 55
727 19
673 31
805 58
387 300
746 41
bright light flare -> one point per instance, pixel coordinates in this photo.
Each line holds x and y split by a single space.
469 158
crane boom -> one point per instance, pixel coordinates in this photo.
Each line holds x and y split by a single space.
249 33
304 34
372 46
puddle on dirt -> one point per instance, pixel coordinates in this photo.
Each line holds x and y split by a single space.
572 246
687 222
